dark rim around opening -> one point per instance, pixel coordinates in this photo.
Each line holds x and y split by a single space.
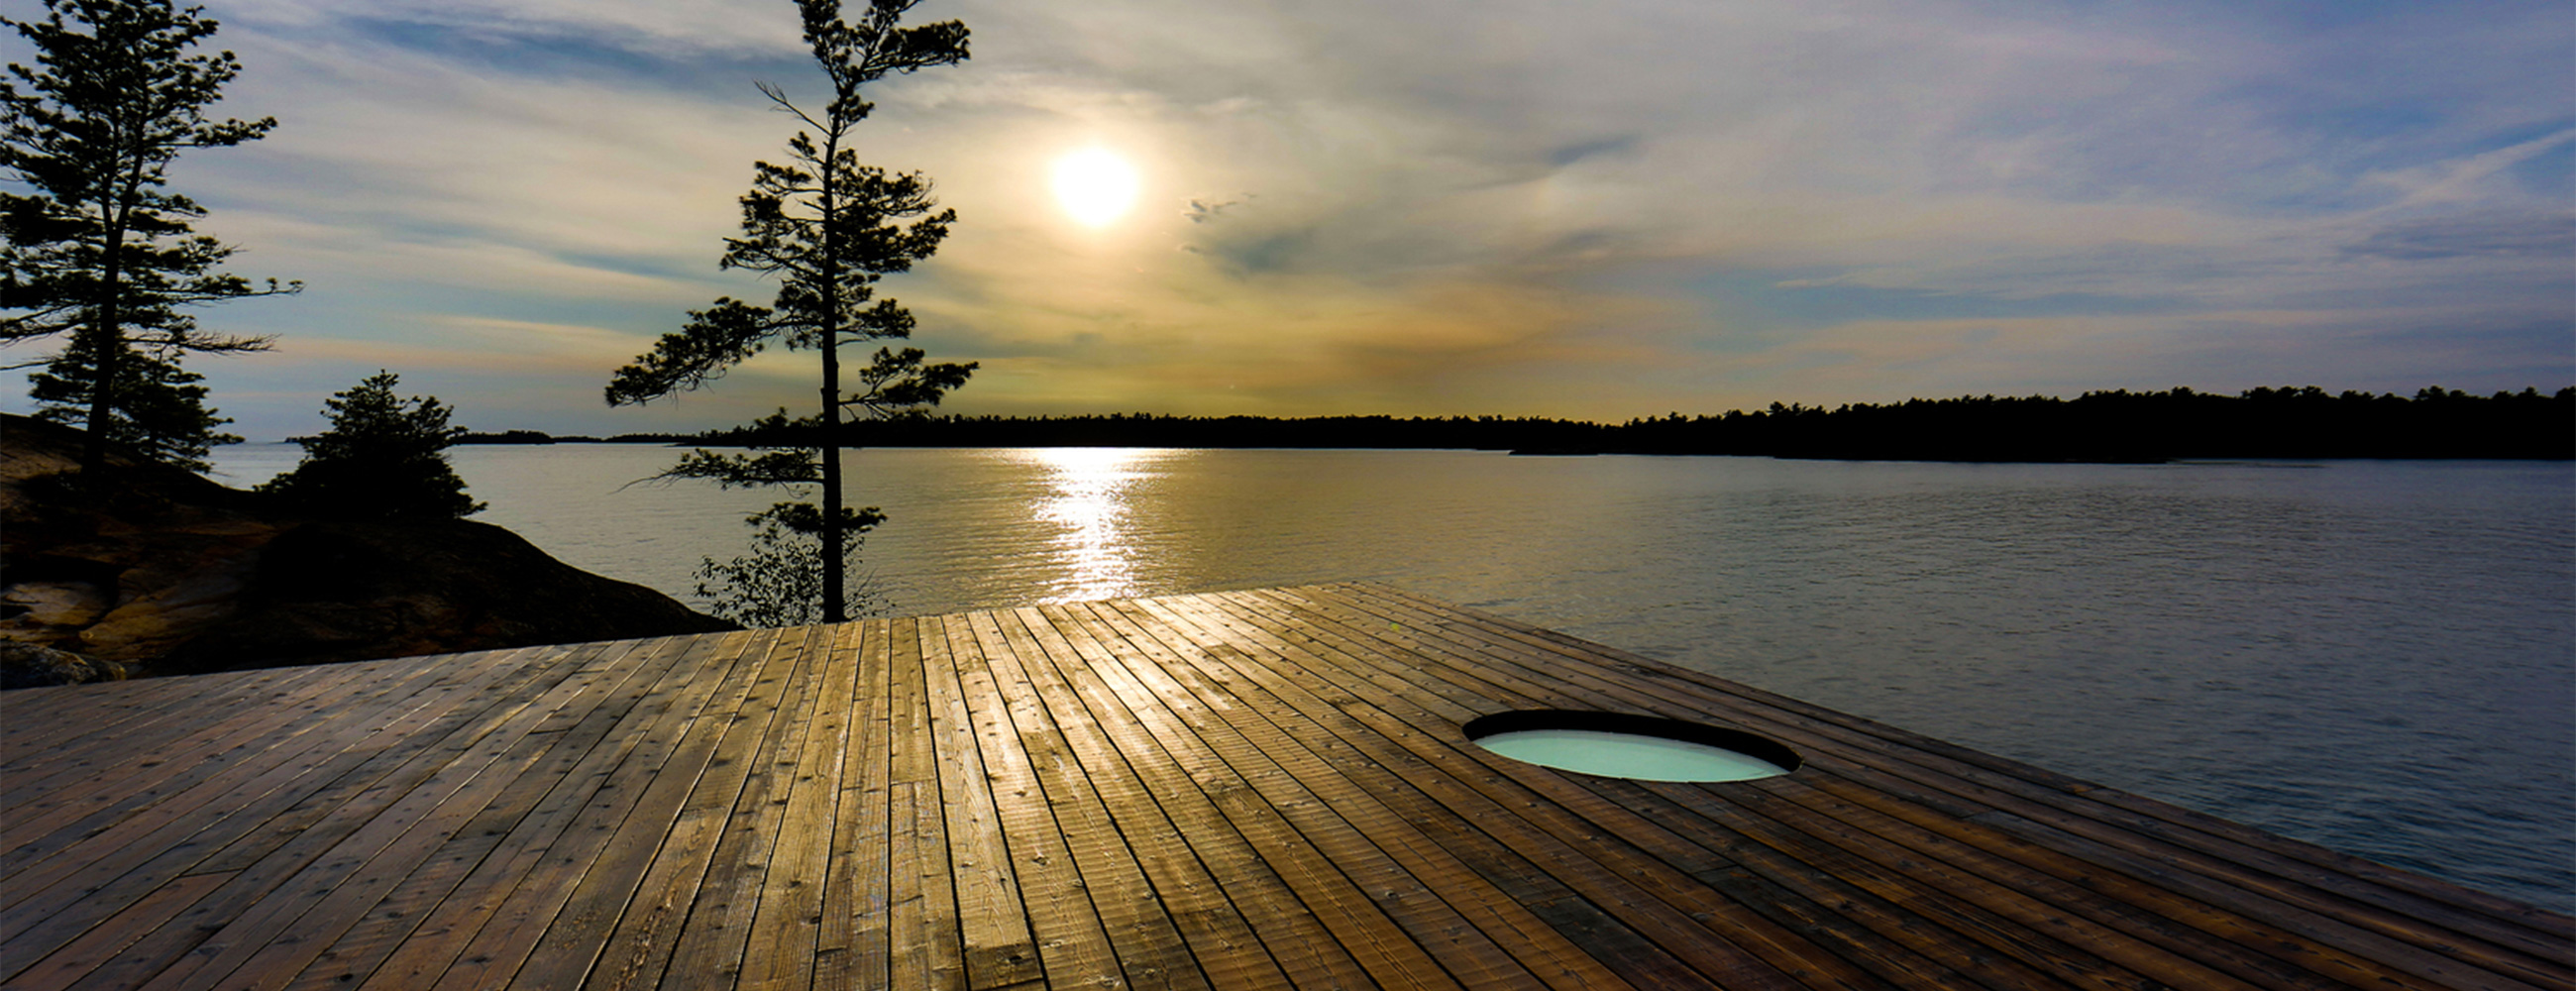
1720 737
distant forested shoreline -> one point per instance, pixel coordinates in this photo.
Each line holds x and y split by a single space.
2116 426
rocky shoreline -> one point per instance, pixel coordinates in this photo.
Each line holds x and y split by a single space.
164 572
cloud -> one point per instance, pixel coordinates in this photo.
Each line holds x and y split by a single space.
2465 179
1202 211
1580 209
2486 234
662 28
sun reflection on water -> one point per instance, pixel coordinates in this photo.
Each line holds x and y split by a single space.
1095 548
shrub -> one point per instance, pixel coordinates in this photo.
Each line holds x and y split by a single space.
383 458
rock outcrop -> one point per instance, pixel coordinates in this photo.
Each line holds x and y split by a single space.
164 572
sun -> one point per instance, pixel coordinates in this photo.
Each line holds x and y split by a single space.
1096 187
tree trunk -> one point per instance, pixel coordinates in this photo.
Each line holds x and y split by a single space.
834 610
109 342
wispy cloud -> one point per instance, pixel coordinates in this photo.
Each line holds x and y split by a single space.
1598 210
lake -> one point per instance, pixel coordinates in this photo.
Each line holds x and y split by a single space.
2379 657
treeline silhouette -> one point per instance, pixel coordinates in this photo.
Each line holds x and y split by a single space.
2124 426
2112 426
542 437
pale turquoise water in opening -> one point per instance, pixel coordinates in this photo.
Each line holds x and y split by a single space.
1627 755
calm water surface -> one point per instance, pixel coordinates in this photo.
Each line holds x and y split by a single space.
2376 656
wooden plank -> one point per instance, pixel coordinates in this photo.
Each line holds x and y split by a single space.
413 768
471 691
924 939
718 931
2250 950
1255 789
375 858
1412 937
2333 923
1187 777
361 781
1967 923
1868 915
1597 886
33 719
992 921
38 720
1861 917
1976 909
2413 898
55 730
565 835
2152 928
448 895
2311 922
852 917
639 951
1073 946
87 794
141 858
101 944
1208 927
1065 756
177 779
787 928
1604 850
915 958
575 937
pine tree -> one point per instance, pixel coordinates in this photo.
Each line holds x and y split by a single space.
98 251
384 458
161 409
828 228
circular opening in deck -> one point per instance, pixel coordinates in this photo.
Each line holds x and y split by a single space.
1639 748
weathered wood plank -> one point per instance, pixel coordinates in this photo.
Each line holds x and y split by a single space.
1605 851
128 933
585 817
354 784
529 849
1065 754
1431 944
1243 790
82 799
255 856
787 928
339 886
342 941
575 938
712 944
2211 877
1188 777
1073 945
1970 923
852 922
1609 899
923 935
1220 941
993 922
1860 917
2413 898
39 758
639 949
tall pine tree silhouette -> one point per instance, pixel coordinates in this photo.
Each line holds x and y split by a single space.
98 249
828 228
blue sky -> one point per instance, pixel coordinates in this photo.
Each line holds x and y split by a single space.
1597 210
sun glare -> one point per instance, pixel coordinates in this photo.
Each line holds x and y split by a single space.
1095 186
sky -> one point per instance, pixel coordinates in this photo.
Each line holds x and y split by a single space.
1597 210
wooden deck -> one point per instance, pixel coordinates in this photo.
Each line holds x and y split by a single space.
1261 789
